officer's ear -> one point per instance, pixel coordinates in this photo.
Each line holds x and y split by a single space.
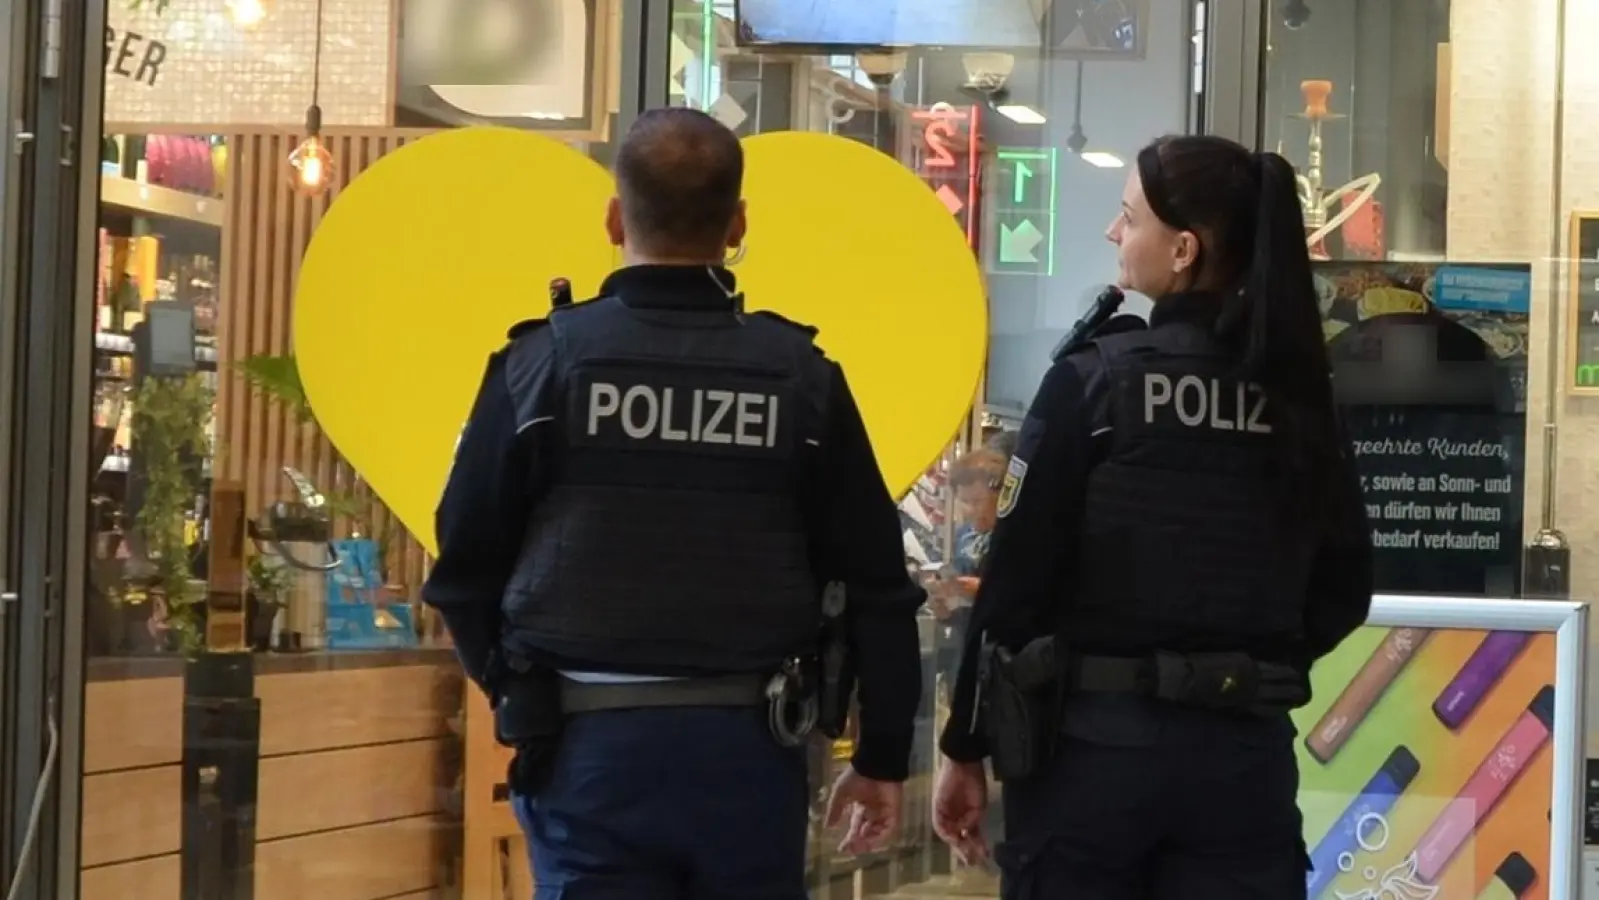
613 222
735 234
1186 253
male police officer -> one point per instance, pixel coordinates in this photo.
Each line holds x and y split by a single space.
648 499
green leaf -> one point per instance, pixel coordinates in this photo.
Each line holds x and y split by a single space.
278 378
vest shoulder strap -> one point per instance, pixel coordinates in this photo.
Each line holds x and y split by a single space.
1116 349
810 331
529 369
528 326
525 327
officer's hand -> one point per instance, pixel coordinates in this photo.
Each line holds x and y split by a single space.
874 808
959 798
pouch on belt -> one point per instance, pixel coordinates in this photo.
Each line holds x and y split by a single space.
528 719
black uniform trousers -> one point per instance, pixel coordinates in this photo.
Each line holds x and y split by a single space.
682 803
1151 801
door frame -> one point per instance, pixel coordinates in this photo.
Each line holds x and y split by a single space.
55 189
13 22
1235 36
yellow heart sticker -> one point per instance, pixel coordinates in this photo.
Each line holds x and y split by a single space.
429 256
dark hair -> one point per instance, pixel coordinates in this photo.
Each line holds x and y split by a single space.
679 174
1244 208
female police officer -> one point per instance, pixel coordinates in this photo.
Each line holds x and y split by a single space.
1182 526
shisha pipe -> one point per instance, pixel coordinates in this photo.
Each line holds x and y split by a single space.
1314 198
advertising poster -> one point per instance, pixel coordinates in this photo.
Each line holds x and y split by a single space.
1426 766
1430 369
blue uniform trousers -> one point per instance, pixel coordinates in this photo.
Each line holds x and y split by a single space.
670 804
1150 801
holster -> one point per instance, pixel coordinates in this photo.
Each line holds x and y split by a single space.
528 719
1020 698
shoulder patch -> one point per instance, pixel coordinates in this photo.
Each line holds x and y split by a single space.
811 331
1011 487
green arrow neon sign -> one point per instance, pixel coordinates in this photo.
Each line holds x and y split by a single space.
1023 172
1016 245
1020 244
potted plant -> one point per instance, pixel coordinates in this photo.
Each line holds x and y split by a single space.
267 590
170 423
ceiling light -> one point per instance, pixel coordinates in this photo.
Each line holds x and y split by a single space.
311 166
1103 160
247 14
988 71
881 68
1021 115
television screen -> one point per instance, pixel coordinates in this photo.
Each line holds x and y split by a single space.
1099 26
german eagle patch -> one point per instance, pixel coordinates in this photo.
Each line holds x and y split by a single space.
1011 488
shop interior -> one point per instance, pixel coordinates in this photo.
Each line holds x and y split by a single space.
223 524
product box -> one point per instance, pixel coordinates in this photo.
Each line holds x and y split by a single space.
360 615
370 626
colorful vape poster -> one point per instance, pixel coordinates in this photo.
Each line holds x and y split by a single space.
1437 780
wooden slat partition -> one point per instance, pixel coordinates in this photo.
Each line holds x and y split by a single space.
132 789
373 862
494 859
356 771
265 233
146 879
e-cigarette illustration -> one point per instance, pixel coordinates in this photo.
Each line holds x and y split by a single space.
1334 728
1486 786
1487 664
1363 824
1511 879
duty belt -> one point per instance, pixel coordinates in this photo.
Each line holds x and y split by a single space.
724 690
791 703
1217 680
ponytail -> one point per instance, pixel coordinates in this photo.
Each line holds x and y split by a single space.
1284 344
1284 347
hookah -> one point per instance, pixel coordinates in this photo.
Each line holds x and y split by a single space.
1314 197
294 534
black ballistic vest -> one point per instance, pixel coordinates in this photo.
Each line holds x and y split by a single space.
670 540
1182 546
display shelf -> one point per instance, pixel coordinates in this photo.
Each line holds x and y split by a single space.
122 345
159 202
121 464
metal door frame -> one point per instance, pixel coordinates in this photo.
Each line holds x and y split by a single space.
58 185
1235 33
12 21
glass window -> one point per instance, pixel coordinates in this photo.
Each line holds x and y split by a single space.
261 672
1041 140
1443 150
1423 161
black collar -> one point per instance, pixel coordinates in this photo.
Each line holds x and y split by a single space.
672 287
1196 307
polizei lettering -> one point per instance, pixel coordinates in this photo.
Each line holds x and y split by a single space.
1214 403
684 415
